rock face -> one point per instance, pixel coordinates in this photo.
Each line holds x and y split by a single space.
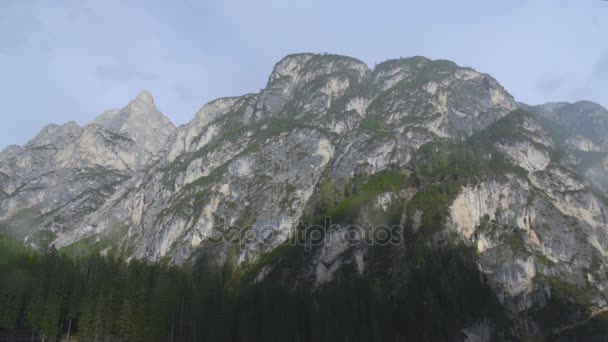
246 168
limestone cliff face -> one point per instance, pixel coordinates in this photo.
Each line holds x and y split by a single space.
538 230
520 233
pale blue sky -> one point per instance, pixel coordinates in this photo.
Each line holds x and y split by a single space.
71 60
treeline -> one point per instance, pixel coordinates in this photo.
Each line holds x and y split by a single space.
106 299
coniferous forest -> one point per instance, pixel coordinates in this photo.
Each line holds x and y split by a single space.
100 298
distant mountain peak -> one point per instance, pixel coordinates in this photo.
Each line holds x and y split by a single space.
145 97
142 105
584 118
140 120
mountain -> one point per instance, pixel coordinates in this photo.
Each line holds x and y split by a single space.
256 160
438 155
51 185
586 121
140 121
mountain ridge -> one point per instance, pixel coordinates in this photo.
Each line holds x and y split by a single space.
442 151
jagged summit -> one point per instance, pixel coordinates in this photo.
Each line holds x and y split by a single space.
141 121
144 96
141 106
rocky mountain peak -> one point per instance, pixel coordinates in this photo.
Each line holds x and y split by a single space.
144 97
309 66
141 121
584 118
290 65
56 134
143 105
